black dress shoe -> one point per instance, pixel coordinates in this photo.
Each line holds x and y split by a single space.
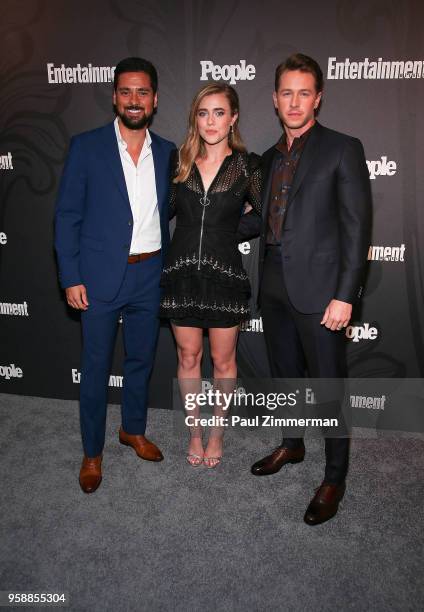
325 503
275 461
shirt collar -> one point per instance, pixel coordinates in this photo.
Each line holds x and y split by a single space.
282 143
121 141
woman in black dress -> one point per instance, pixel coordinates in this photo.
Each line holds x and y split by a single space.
204 283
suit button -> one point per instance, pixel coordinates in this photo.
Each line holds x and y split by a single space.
129 222
126 246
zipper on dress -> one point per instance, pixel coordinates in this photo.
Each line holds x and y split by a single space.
204 201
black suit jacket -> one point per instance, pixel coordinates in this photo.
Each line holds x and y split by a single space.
327 225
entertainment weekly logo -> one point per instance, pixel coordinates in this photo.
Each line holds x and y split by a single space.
356 401
366 69
79 74
228 72
14 310
386 253
6 161
252 325
114 380
368 402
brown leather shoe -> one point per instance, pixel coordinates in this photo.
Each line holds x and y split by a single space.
90 475
142 446
325 503
275 461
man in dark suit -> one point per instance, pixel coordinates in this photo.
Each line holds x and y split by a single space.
111 235
314 240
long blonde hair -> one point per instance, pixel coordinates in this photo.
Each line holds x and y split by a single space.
193 145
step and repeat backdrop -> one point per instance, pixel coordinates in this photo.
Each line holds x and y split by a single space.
56 65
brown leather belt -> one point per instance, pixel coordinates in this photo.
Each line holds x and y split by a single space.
141 256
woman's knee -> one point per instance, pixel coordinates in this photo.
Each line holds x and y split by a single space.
189 358
223 362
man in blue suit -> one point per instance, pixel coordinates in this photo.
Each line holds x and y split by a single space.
111 236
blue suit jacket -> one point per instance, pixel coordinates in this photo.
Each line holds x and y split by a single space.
93 217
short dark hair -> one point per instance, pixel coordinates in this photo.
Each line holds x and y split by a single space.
136 64
301 62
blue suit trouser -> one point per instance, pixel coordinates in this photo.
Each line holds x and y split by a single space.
138 303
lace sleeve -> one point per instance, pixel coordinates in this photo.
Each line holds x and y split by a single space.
254 190
251 222
173 186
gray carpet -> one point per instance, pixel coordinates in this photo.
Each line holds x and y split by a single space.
160 537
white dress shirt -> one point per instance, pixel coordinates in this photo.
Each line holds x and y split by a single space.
141 188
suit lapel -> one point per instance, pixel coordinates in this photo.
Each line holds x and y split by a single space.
160 170
306 159
111 153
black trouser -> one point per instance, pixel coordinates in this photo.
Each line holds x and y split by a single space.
297 342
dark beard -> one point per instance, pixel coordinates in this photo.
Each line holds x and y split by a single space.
135 124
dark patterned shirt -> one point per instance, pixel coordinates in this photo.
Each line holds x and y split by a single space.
284 168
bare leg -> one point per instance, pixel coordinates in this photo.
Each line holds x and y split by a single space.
189 349
223 343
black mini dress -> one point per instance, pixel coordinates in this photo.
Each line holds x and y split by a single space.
203 281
